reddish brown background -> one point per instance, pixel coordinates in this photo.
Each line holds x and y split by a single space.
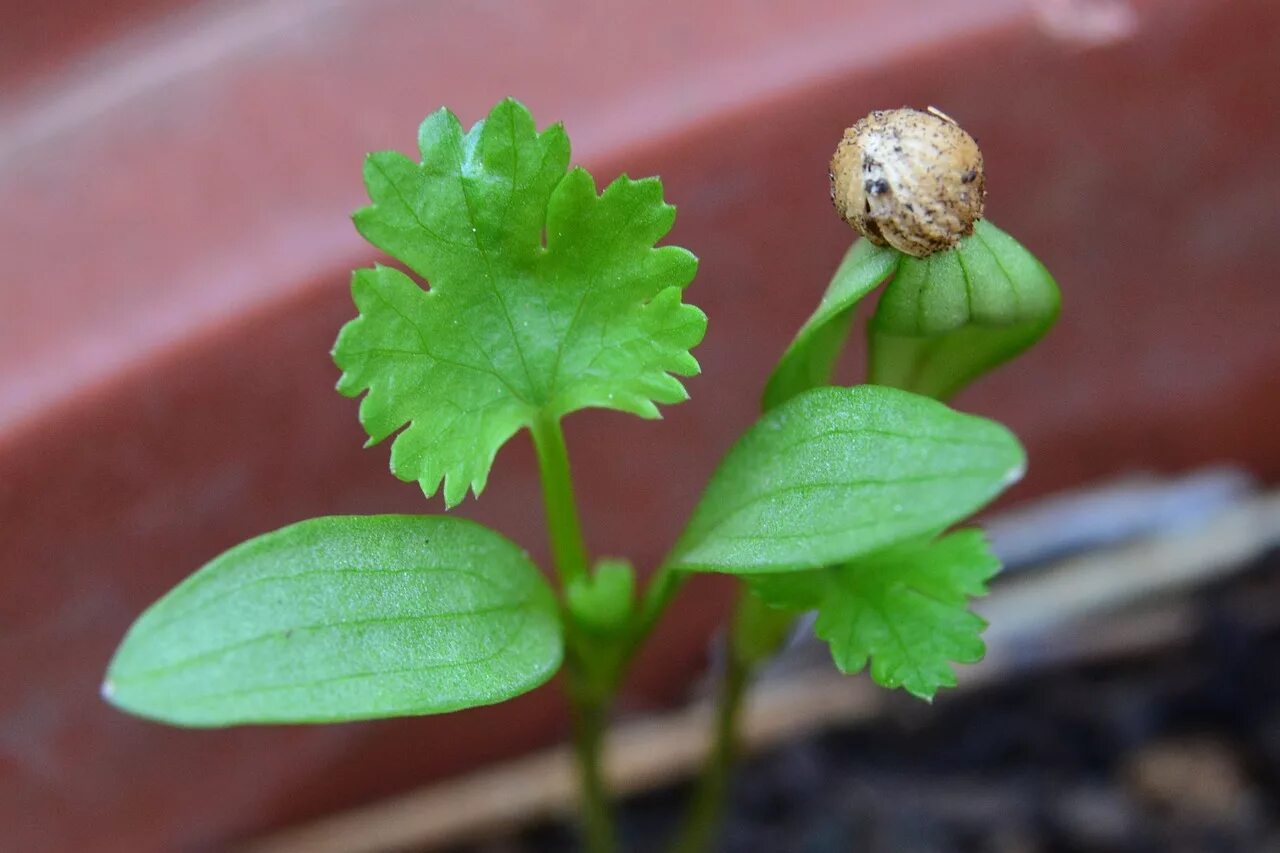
175 182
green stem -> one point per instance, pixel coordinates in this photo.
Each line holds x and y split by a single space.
567 547
702 821
589 722
589 702
658 592
756 633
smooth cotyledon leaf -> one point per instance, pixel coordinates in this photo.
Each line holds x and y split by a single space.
544 297
840 472
343 618
942 322
947 319
905 608
808 360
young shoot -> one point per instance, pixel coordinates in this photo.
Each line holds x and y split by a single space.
528 294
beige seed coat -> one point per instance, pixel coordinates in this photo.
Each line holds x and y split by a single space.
908 179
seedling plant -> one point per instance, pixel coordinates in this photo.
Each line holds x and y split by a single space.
527 294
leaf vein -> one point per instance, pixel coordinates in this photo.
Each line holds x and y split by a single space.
275 688
285 632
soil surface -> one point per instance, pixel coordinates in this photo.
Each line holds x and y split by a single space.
1176 751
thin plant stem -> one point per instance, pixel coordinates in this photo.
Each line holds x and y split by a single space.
659 591
702 821
756 632
589 702
567 547
599 834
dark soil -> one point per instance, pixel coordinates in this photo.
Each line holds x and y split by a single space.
1177 751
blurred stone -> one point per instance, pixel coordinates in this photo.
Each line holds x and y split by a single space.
1199 778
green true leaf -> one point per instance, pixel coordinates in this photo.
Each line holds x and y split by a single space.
808 360
515 326
947 319
840 472
343 618
904 608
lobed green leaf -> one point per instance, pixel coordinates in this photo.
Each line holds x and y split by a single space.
545 297
904 609
840 472
343 618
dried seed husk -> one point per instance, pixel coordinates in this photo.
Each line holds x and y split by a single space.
908 179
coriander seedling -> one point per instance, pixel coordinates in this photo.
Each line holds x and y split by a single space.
528 294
